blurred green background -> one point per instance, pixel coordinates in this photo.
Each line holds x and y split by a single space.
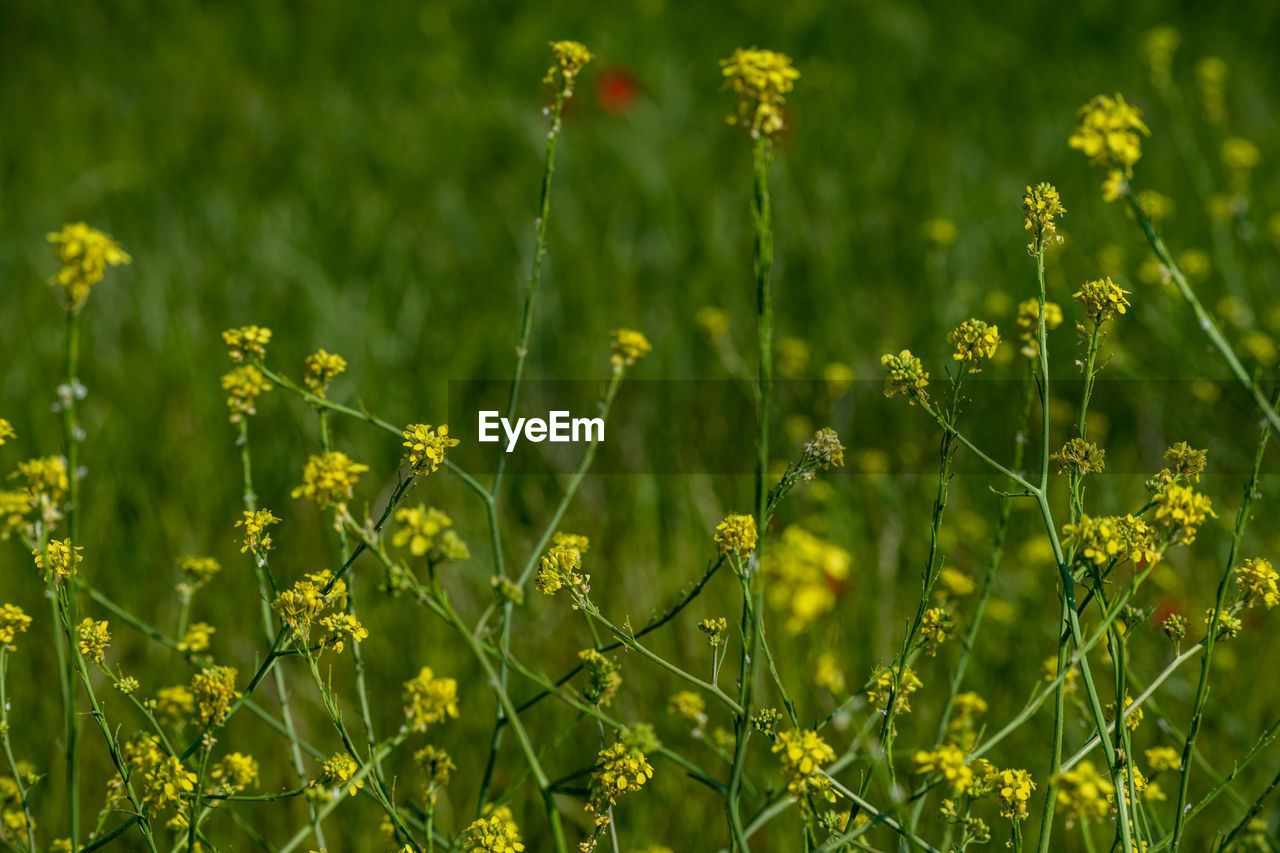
363 177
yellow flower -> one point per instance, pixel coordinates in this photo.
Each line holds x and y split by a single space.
13 621
761 79
935 629
949 763
1107 132
1163 758
46 478
437 766
1080 457
174 704
1042 206
322 367
559 566
166 782
255 524
1158 47
247 342
1084 793
805 573
1028 319
243 385
570 58
429 700
1013 791
6 431
1257 582
906 376
1180 510
197 638
714 321
941 232
882 685
955 583
497 833
1229 625
199 570
689 705
340 626
620 769
337 772
714 629
1133 715
213 689
235 773
329 478
736 535
603 677
975 342
1102 299
63 559
1211 77
299 605
1101 540
427 447
85 254
628 346
420 526
827 674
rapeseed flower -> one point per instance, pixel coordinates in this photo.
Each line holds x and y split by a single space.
322 368
736 535
426 447
329 479
85 254
761 79
906 376
570 58
429 700
1258 582
247 343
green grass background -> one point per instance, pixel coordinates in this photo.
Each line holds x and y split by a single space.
363 177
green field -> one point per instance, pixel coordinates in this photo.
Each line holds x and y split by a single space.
365 178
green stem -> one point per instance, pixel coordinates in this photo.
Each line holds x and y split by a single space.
71 441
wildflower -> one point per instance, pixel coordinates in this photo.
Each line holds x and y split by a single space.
63 559
628 346
1158 47
243 385
235 773
689 705
714 629
247 343
570 58
419 527
497 833
213 689
1080 457
603 677
199 570
1174 627
1028 319
620 769
1163 758
197 638
14 505
948 762
174 703
882 686
761 79
1257 582
736 535
429 700
1132 713
559 566
1084 793
13 621
507 590
907 376
974 342
1107 132
127 685
255 524
46 478
827 674
1180 511
338 771
437 766
1229 625
935 629
824 450
965 710
329 479
1013 791
1120 538
1187 462
1042 206
955 583
6 431
85 254
766 721
339 627
299 605
805 574
1102 300
165 784
322 368
427 447
803 753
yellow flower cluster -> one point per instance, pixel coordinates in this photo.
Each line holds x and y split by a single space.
1158 48
247 343
426 447
965 710
620 769
947 761
1101 540
93 637
570 58
322 368
603 677
805 573
213 689
1229 624
1211 78
329 479
1258 582
827 673
689 705
197 638
907 375
13 621
1084 793
340 627
429 700
736 536
198 571
1107 132
882 685
255 524
1133 716
243 385
1174 626
165 783
714 629
974 342
497 833
337 772
436 766
1102 299
1080 457
1181 511
628 346
46 478
803 753
1028 319
85 254
1161 758
936 627
235 773
1013 791
301 604
63 559
1042 206
174 704
1188 463
427 530
6 431
761 79
558 567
